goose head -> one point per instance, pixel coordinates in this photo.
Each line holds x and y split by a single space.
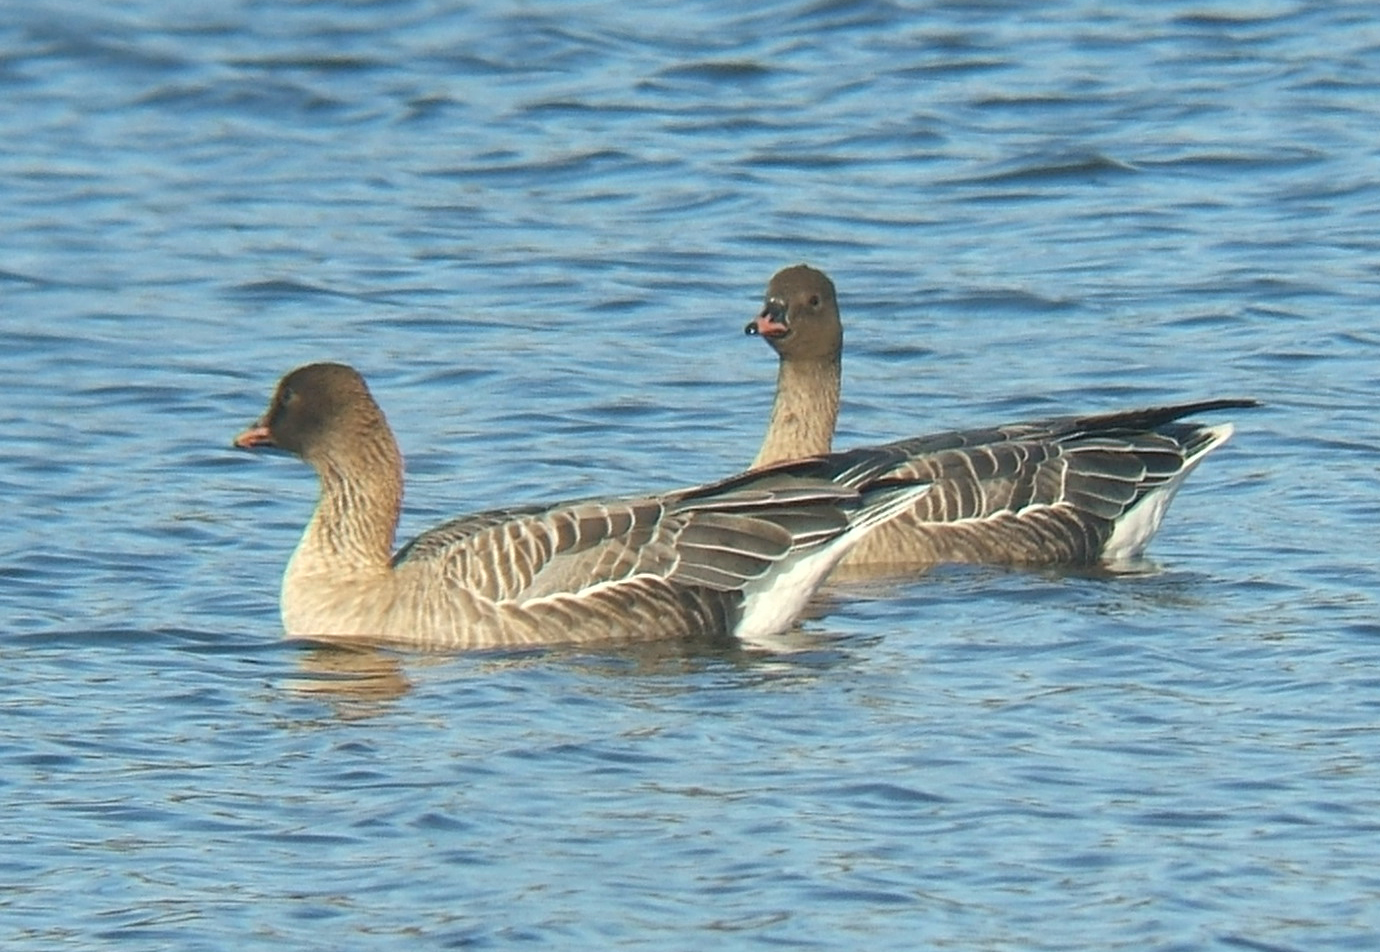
800 315
318 412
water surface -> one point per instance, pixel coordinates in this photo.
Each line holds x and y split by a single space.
539 230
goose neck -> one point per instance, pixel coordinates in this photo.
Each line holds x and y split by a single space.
805 411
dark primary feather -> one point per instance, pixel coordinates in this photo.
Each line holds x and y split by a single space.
1069 427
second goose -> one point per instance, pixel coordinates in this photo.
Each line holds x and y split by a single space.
1075 490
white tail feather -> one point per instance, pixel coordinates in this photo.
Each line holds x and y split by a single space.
773 602
1135 529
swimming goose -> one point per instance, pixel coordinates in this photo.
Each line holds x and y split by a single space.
1068 490
738 557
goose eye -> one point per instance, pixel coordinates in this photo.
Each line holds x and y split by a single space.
814 300
286 397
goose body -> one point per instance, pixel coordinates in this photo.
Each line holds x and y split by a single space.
740 557
1074 490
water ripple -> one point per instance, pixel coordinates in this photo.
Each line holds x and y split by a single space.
540 232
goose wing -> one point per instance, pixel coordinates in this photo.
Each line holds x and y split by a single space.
1053 490
718 537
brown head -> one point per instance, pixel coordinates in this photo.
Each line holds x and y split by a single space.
317 410
800 316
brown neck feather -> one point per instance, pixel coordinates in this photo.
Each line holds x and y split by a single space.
805 411
361 499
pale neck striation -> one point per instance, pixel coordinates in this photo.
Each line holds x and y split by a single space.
805 411
351 531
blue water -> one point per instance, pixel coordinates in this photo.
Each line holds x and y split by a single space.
539 229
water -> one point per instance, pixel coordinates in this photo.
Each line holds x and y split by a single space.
539 230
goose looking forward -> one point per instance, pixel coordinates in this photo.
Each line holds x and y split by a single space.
1068 490
738 557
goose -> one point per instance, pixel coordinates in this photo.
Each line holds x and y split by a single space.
1070 490
740 557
